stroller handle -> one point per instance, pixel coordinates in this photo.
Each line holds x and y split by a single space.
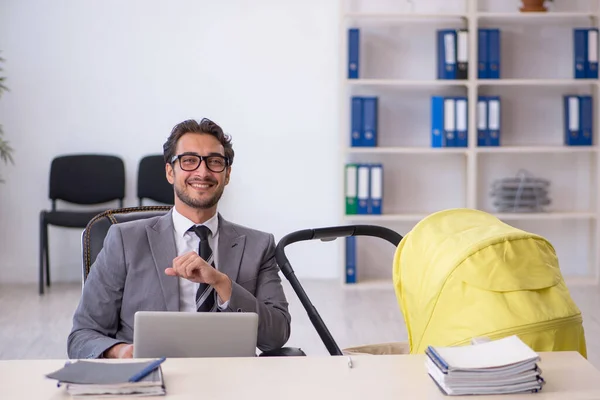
324 234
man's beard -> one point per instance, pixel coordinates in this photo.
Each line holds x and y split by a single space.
199 203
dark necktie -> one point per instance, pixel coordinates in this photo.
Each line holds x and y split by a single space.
205 296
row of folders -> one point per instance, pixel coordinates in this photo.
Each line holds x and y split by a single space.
453 53
364 188
449 121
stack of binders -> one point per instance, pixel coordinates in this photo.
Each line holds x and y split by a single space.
496 367
364 121
585 45
449 121
364 188
488 51
578 120
488 121
452 53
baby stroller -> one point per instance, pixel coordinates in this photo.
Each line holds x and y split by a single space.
461 274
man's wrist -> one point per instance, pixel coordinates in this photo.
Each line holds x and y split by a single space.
223 287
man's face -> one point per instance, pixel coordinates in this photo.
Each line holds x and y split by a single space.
201 188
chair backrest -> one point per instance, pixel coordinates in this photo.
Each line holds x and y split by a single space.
93 235
152 182
87 178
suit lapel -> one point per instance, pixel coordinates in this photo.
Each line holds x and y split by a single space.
162 245
231 248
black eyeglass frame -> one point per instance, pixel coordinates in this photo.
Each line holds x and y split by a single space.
202 158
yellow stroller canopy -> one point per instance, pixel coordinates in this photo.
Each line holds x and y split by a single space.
462 273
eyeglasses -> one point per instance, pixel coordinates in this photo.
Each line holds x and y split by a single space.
191 162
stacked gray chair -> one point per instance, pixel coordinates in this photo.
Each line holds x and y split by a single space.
523 193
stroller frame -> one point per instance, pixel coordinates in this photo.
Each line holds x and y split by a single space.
325 235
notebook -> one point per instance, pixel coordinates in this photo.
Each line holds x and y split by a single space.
98 378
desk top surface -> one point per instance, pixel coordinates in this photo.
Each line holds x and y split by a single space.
567 375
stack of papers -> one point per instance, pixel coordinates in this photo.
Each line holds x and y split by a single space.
83 378
497 367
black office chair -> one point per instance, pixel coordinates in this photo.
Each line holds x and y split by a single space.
84 179
95 233
152 183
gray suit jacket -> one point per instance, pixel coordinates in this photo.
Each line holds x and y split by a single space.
128 276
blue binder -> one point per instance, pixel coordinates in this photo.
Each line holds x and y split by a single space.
586 120
462 118
494 120
571 119
437 121
592 54
351 259
493 53
580 49
446 53
482 54
449 122
370 111
353 53
364 186
482 121
375 188
356 121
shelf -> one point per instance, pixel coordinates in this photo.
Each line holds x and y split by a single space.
533 16
537 82
544 216
413 17
406 150
537 149
406 82
385 217
502 216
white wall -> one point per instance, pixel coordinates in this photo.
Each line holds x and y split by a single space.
115 76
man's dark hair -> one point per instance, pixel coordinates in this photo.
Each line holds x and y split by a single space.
191 126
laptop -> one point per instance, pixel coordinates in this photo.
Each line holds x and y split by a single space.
194 334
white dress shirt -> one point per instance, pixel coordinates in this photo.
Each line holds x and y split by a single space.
188 241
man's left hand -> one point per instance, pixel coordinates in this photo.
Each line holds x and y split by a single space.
192 267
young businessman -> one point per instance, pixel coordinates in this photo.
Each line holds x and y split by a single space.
154 263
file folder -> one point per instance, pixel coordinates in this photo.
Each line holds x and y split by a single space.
494 53
351 186
351 259
586 120
580 49
437 121
446 54
592 54
353 53
571 120
462 54
356 122
450 122
482 121
363 189
461 122
376 184
370 111
482 54
494 118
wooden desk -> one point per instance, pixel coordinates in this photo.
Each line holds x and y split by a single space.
568 375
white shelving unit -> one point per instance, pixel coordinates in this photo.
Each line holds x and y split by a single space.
397 64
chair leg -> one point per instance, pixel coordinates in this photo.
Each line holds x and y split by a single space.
42 251
47 247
